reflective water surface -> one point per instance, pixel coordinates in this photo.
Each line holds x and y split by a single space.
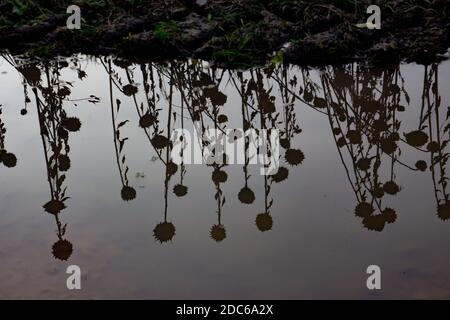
86 179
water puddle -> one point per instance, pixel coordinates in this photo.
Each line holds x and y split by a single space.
87 178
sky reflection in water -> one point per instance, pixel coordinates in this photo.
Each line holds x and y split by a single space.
86 179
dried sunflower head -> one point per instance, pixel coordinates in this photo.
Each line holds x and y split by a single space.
219 176
218 232
363 164
222 118
391 187
164 232
180 190
294 156
421 165
281 175
129 90
374 222
443 210
264 222
71 124
63 162
246 195
354 137
8 159
62 250
433 146
54 206
363 209
389 215
416 138
147 120
160 141
172 168
128 193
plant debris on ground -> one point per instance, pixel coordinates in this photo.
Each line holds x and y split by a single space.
234 33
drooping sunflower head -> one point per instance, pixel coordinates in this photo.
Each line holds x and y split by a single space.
164 232
218 232
54 206
264 222
246 195
62 250
128 193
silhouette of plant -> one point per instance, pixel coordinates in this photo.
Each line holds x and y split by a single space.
8 159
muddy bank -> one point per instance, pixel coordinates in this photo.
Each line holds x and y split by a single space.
238 33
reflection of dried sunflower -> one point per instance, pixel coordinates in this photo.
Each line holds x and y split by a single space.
341 142
363 164
337 131
62 250
219 176
172 168
354 137
246 195
217 98
433 146
285 143
147 120
391 187
374 222
164 231
63 162
320 103
129 90
160 141
380 125
388 146
294 156
264 222
222 118
54 206
180 190
128 193
421 165
281 175
363 209
416 138
218 232
9 160
378 192
63 92
443 210
72 124
389 215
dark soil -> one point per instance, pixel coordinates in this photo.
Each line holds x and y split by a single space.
235 33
